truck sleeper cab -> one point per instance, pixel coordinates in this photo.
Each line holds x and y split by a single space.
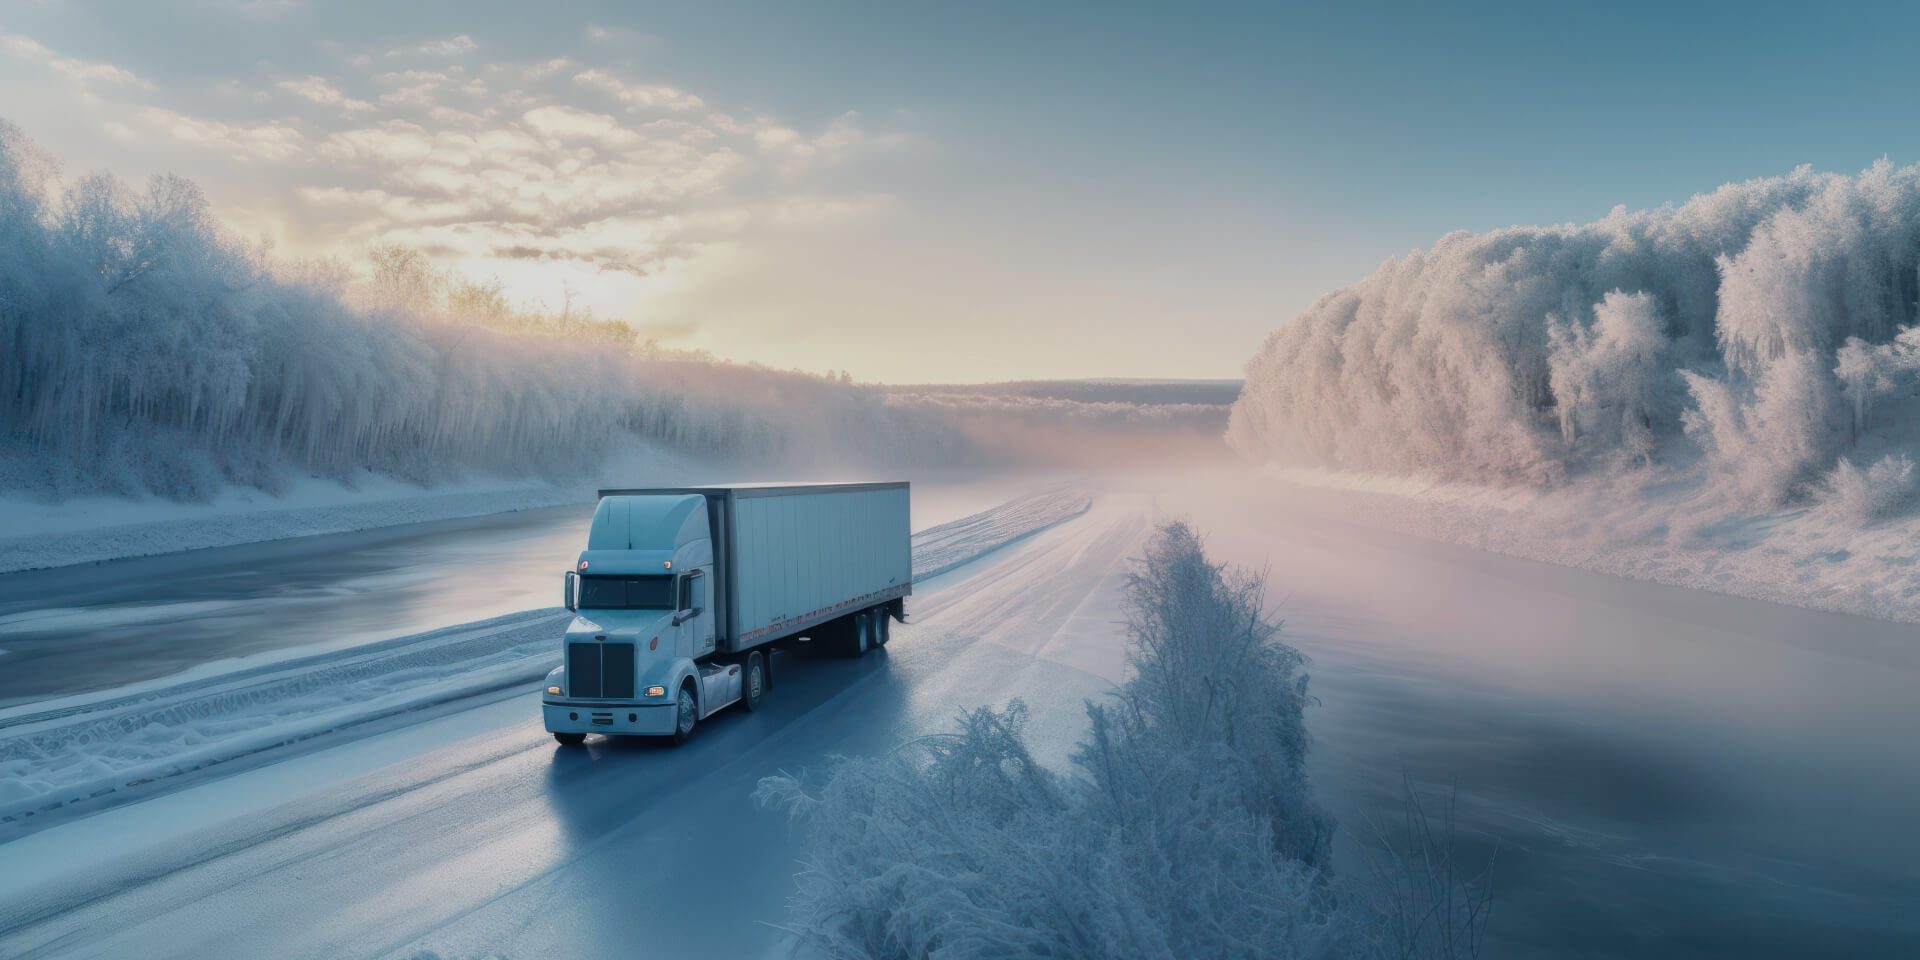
682 594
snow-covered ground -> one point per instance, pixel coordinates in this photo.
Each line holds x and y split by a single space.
1662 767
36 534
98 746
1660 526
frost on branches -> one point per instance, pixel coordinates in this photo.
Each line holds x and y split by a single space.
144 349
1186 829
1759 336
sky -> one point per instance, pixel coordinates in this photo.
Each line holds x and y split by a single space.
944 192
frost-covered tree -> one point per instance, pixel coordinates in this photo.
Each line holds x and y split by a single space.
1534 353
1609 380
142 349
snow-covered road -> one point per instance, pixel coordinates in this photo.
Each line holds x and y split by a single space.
487 838
1670 773
102 626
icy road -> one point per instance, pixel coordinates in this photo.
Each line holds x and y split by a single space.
1668 773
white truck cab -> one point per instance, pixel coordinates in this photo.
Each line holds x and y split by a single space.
682 594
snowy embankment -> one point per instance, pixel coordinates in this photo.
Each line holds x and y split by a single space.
90 529
52 755
1647 530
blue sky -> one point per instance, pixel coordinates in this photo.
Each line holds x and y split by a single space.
945 192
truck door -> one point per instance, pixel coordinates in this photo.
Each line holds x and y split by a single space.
695 616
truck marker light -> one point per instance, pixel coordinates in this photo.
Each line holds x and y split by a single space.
666 564
583 564
555 691
653 644
656 691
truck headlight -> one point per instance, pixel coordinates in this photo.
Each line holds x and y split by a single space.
656 691
553 691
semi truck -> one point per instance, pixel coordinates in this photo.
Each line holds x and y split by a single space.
683 594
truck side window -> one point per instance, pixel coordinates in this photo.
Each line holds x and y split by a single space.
690 591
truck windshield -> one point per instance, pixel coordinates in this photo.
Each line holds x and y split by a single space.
626 593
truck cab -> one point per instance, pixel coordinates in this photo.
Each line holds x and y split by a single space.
644 619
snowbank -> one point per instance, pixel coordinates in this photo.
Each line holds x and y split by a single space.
87 529
1648 526
55 754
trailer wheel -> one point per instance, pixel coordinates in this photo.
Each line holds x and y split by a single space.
686 714
570 739
754 685
882 627
862 634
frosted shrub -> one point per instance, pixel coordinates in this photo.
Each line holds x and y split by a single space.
1862 496
1187 828
1211 681
1532 353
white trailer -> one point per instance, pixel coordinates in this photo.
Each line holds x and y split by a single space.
683 593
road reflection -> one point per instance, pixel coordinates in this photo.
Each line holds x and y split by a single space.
668 850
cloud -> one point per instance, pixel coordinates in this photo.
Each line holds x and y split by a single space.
555 166
318 90
568 123
639 96
458 46
269 141
541 71
82 73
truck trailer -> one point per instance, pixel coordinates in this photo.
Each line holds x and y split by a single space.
683 593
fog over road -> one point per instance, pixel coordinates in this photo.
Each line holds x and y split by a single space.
1669 773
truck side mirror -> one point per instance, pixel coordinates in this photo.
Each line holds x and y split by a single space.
567 592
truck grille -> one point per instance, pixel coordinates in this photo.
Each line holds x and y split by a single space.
602 670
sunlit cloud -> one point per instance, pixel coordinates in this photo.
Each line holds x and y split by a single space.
82 73
318 90
554 174
269 141
640 96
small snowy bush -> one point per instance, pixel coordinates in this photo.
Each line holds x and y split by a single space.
1186 829
1862 496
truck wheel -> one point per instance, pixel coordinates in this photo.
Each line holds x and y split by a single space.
753 686
862 634
570 739
686 715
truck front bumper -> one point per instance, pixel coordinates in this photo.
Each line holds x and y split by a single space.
602 716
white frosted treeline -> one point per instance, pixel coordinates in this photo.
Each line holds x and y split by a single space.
144 349
1755 331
